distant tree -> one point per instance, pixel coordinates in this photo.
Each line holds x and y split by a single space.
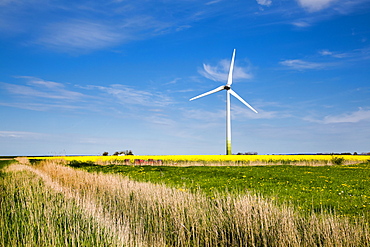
105 154
127 152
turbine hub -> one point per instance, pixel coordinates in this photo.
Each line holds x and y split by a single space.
227 87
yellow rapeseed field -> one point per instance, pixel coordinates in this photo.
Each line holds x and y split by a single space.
220 159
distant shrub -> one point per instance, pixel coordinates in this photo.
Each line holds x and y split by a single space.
337 160
247 153
127 152
78 164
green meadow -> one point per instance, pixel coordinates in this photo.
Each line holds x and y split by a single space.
340 189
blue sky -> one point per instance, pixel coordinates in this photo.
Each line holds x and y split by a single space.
84 77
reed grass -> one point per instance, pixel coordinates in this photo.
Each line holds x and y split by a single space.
32 214
145 214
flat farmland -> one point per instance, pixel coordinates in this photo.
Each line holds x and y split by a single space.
137 202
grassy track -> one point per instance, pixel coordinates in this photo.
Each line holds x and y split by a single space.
344 190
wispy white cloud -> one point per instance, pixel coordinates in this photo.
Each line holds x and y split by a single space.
353 117
315 5
43 95
316 11
301 23
39 88
357 54
19 2
333 54
213 2
21 134
328 59
299 64
83 26
220 71
174 81
78 34
264 2
305 20
325 53
126 95
347 6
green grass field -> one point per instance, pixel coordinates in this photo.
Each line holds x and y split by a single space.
343 190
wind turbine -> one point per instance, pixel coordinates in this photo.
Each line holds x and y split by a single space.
229 91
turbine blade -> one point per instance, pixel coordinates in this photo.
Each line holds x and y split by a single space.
230 77
220 88
243 101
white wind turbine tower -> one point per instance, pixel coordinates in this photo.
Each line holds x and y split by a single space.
229 91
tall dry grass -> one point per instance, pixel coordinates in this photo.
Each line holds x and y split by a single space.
34 215
144 214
